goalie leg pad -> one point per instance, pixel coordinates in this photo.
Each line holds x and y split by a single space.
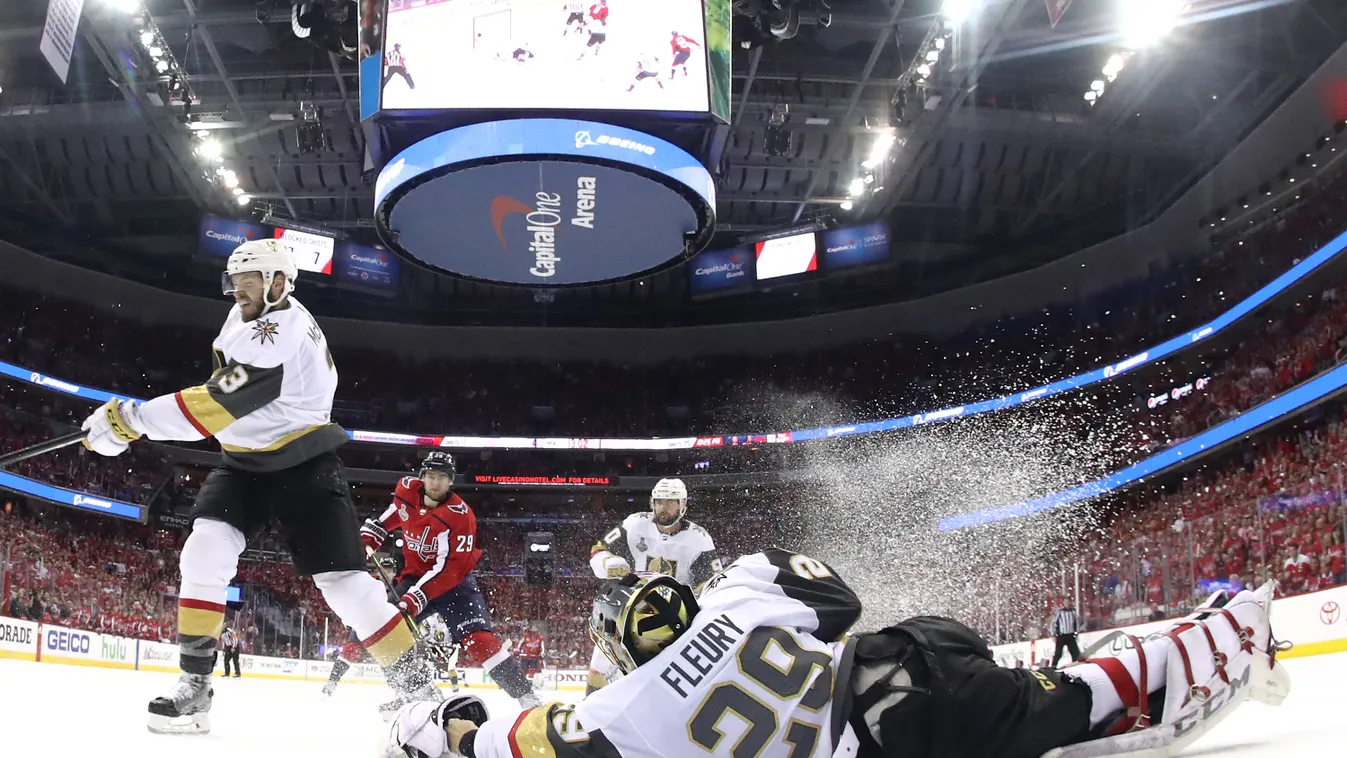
1206 665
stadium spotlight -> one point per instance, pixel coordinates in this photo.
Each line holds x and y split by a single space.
210 149
147 38
243 199
156 51
1145 22
161 66
231 180
857 186
1097 85
847 205
879 150
957 11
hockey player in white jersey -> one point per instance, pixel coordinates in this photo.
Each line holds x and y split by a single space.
661 540
268 403
761 665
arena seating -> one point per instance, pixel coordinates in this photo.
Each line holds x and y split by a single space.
1275 510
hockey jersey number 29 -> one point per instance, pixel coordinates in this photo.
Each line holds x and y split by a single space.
755 675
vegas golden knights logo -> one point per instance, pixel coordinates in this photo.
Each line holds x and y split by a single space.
661 565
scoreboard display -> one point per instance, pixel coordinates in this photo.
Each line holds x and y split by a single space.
594 55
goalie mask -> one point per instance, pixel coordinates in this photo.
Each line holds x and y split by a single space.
443 463
637 616
668 493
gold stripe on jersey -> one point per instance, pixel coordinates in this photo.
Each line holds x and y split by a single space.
203 410
391 642
277 445
200 622
529 737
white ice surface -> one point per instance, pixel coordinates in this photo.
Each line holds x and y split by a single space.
53 711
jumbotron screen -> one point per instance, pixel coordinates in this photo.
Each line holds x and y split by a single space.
627 55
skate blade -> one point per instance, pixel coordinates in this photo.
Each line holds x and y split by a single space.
196 723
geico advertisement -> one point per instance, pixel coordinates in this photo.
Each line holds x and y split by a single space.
18 639
60 643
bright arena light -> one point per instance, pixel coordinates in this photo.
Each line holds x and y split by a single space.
847 205
857 186
1145 22
958 11
210 149
879 150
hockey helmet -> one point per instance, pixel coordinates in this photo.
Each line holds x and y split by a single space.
670 489
267 257
438 460
634 618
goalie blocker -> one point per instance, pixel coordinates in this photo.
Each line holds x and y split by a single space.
924 688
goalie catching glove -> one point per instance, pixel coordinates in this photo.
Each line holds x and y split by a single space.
419 729
109 428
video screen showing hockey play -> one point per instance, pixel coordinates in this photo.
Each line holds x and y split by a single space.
625 55
874 378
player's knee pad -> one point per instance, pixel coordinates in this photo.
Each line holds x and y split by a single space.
357 598
1206 664
210 557
483 649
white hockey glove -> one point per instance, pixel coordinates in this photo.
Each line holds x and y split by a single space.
418 729
609 566
109 427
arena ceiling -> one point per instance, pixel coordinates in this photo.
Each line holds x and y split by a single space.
996 149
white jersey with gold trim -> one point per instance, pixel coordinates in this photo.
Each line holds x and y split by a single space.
269 399
757 673
688 555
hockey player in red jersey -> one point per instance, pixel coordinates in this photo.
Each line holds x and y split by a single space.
439 538
531 652
599 12
682 50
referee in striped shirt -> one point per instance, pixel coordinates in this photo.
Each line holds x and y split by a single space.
1065 628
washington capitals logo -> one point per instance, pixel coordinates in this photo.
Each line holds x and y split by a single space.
265 331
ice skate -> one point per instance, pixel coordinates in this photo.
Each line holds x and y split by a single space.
185 709
530 700
330 688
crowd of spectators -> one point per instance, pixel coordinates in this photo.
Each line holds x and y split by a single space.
706 395
1275 512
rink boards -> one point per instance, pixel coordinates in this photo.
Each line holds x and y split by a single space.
45 643
1313 622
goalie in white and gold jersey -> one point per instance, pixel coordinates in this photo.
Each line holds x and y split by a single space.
761 665
661 540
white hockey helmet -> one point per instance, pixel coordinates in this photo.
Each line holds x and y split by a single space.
267 257
670 489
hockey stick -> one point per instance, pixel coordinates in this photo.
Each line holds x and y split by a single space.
65 440
420 638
